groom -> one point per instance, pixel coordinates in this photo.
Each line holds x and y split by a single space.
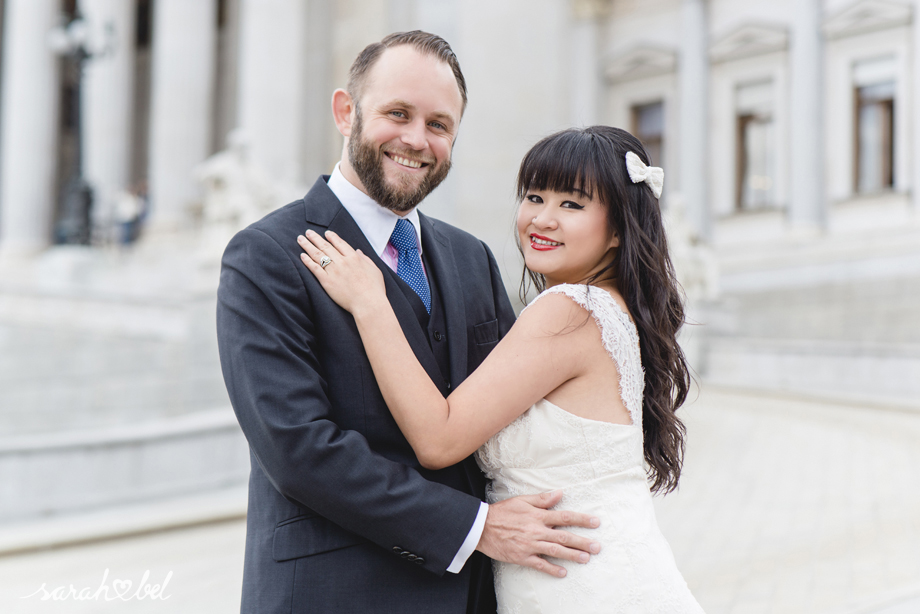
342 518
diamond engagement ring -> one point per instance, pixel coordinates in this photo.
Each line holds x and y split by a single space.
325 261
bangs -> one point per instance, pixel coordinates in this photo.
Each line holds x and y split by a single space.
564 162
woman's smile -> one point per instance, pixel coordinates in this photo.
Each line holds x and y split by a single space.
541 243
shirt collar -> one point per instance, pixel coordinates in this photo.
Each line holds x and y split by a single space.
375 222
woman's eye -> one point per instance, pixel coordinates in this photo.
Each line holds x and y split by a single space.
572 205
534 198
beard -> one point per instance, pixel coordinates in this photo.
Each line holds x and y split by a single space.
367 160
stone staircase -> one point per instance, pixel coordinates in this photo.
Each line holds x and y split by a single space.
110 385
855 340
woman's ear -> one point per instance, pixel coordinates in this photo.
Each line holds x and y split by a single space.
343 111
615 240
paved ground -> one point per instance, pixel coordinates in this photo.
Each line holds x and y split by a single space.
786 507
795 507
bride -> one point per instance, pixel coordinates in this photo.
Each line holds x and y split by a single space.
581 394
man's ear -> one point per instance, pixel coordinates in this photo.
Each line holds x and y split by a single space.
343 111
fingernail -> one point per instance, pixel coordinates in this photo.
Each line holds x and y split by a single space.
583 557
303 257
594 548
561 573
301 238
595 522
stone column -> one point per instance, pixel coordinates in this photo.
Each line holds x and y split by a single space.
184 57
693 142
585 60
806 198
271 85
915 104
30 124
320 130
107 100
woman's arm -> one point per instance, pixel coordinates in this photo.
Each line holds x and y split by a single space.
541 352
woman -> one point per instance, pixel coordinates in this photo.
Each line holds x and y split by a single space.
581 393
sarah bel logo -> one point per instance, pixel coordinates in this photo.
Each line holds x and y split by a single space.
116 590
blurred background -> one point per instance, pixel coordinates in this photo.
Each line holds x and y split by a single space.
136 136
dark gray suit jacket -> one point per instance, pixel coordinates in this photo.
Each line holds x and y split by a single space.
342 518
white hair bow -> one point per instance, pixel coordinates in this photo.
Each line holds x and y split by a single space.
640 171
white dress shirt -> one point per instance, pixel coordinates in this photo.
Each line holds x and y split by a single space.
377 224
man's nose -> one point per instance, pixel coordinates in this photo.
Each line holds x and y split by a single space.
415 136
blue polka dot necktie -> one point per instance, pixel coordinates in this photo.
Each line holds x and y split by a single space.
409 265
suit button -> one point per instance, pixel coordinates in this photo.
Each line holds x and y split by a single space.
405 554
412 557
438 336
419 560
397 549
448 385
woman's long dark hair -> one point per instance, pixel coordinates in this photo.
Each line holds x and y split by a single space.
593 160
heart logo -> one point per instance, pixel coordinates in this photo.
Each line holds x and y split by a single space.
121 588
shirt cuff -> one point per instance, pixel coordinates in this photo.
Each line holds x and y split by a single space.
471 541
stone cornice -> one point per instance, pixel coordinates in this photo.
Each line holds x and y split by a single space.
639 62
749 40
867 16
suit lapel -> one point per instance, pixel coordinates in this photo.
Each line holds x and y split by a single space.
323 209
441 257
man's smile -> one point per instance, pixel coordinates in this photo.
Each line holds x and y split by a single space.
403 161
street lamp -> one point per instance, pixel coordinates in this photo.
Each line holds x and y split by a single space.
71 41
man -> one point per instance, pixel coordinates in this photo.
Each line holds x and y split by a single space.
342 518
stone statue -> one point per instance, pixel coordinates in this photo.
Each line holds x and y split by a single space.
236 193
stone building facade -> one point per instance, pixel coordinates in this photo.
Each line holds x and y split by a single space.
788 131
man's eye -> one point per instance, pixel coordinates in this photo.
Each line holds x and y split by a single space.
438 126
398 114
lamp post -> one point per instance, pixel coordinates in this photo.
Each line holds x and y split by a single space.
71 42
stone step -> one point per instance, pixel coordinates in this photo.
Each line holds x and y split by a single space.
69 471
873 374
879 311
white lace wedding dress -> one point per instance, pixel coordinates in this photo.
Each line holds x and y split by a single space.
599 466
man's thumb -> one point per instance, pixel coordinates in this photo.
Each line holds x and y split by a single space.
546 500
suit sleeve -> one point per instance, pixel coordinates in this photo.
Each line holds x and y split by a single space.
268 351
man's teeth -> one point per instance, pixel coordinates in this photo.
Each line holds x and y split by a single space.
542 242
406 162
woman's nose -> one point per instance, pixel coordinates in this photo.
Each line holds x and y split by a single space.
544 220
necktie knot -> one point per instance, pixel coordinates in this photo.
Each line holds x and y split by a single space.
409 263
403 237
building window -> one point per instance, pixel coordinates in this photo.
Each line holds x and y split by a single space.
875 137
648 127
755 169
874 115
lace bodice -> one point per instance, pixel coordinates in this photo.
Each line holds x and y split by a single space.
600 468
621 340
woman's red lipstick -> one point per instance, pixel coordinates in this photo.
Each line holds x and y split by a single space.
540 247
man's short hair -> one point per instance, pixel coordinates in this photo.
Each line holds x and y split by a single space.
423 42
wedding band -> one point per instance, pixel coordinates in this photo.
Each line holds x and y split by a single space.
325 261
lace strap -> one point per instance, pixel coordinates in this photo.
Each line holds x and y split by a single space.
620 338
